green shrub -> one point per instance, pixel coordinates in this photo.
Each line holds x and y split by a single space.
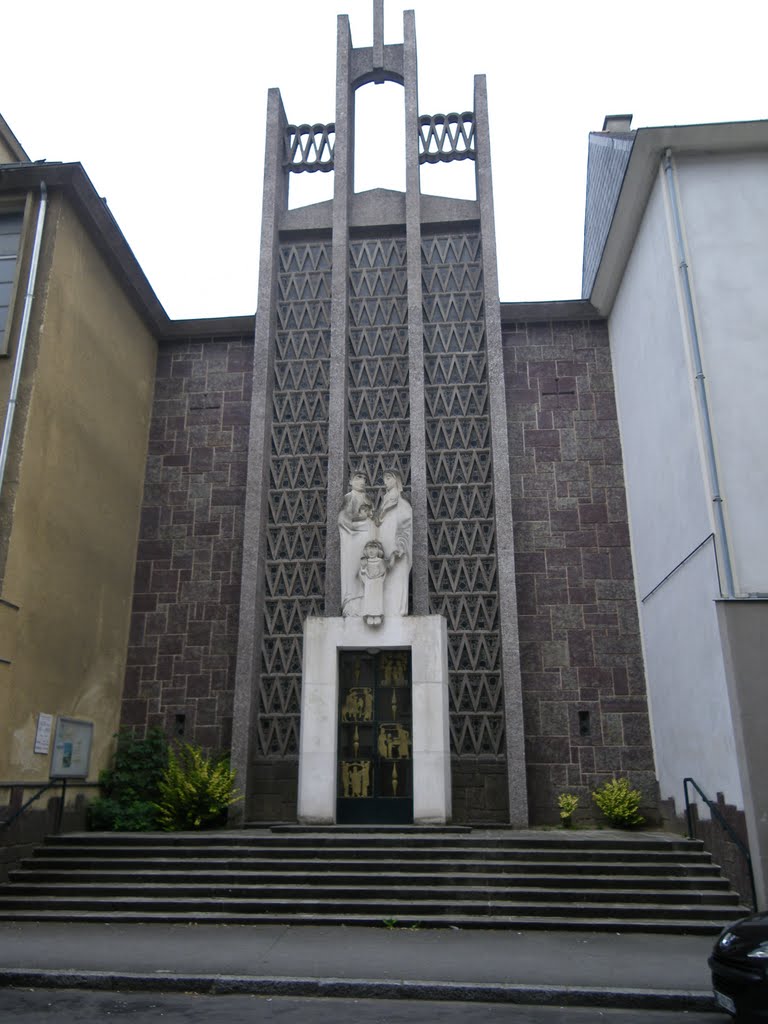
619 803
130 789
195 790
108 815
567 802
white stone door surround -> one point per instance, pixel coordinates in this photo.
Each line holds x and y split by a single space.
426 636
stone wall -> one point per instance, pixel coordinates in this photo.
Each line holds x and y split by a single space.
583 684
183 644
725 852
584 698
20 839
480 792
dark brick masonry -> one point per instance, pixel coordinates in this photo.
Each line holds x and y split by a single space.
183 644
584 698
583 684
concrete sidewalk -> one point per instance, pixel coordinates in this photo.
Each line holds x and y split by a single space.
559 968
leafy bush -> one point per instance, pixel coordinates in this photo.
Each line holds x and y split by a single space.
195 790
108 815
567 802
130 789
619 803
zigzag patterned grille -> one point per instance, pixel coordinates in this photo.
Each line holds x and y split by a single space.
446 137
462 542
377 364
298 479
309 147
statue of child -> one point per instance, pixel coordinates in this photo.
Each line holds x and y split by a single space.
373 569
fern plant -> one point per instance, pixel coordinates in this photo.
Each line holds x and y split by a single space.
195 790
567 802
619 803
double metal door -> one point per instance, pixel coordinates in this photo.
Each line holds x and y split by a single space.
375 771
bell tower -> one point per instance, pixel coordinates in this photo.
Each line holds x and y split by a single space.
378 348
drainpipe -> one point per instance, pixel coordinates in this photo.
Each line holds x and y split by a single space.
701 391
23 331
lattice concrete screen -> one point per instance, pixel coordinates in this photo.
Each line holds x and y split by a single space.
378 347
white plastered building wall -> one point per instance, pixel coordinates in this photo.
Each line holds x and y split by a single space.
671 518
704 629
724 201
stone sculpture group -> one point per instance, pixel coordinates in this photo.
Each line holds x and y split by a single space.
375 546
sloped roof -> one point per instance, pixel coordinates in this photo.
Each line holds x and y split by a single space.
11 143
649 147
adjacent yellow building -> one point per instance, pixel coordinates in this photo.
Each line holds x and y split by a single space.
78 323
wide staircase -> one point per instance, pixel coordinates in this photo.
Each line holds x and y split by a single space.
395 877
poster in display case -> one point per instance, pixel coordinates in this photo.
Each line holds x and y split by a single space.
71 748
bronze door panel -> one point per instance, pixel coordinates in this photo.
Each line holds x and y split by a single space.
375 773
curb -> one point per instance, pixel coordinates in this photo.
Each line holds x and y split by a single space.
361 988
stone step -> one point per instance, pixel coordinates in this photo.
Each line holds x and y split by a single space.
32 876
387 906
311 890
599 923
513 868
361 830
527 842
629 856
420 878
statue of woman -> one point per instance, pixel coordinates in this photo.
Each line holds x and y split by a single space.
355 526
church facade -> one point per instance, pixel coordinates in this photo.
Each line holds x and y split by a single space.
189 550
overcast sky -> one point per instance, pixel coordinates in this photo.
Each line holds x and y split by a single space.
163 102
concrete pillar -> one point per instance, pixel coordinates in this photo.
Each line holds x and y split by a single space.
502 502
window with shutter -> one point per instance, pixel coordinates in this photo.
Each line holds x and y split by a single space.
10 234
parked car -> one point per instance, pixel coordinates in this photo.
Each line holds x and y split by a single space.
739 965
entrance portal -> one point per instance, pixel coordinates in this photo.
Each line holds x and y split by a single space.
402 724
375 770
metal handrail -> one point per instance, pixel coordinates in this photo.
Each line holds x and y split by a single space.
7 822
737 840
78 783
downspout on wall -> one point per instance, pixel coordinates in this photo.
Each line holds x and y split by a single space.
701 391
23 331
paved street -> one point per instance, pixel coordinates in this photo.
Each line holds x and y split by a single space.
306 974
534 958
23 1006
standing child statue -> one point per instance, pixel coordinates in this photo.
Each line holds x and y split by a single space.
373 569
